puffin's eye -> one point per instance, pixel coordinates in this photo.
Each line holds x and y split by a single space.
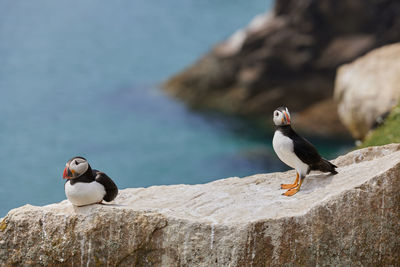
76 162
276 113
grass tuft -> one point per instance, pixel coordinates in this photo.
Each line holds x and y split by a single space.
387 133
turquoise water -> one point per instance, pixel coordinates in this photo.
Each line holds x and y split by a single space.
80 78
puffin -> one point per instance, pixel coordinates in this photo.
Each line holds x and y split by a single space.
85 186
296 152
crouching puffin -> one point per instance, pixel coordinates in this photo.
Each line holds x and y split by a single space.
296 152
86 186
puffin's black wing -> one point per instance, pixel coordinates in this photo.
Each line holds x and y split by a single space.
307 153
109 185
304 150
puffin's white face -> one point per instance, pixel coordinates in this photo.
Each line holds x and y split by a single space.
281 116
75 167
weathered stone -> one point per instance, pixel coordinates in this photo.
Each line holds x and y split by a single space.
350 219
368 88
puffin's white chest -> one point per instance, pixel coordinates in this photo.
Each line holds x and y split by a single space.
283 147
81 194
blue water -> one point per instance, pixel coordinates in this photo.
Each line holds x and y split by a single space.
80 78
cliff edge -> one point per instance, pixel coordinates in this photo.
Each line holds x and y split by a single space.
351 218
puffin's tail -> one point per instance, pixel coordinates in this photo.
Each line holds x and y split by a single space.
326 166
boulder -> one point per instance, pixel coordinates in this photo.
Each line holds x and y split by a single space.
286 57
348 219
368 88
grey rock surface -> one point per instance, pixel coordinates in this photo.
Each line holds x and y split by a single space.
350 219
368 88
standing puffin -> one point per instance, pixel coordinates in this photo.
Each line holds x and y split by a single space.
86 186
296 152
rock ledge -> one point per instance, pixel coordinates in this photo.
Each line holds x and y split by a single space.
351 218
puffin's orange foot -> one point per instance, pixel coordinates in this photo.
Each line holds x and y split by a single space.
291 192
288 186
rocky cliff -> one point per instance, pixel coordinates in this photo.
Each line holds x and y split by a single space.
287 57
350 219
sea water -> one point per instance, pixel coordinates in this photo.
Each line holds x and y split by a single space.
81 78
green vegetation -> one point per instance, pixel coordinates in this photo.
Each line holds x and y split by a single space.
387 133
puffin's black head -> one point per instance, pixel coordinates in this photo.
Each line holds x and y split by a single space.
75 167
281 116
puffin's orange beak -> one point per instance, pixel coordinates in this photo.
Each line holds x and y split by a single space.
67 174
287 117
